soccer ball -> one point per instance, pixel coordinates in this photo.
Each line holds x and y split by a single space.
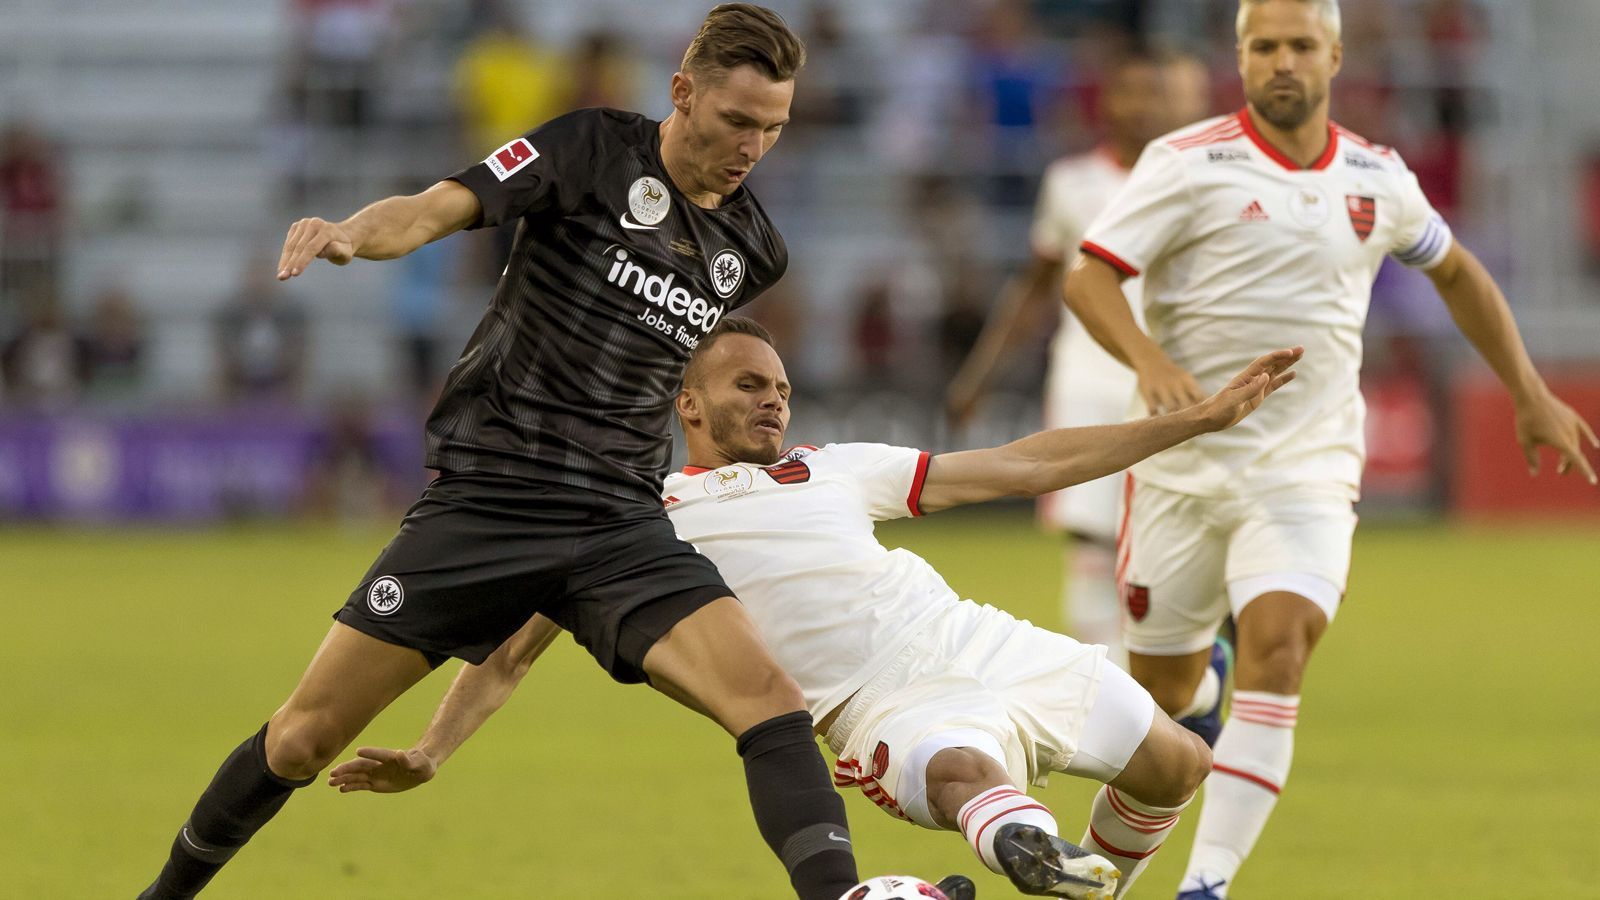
894 887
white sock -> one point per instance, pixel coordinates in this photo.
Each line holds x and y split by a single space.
1249 766
1205 696
1089 598
981 817
1127 832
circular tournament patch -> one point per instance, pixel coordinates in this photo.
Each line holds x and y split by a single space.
727 272
1309 207
385 595
648 201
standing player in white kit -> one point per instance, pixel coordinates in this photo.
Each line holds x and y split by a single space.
1145 96
1266 228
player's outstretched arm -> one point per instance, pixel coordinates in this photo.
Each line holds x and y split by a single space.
1094 294
1056 459
1022 299
1481 312
473 697
383 230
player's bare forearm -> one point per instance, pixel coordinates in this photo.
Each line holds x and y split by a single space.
395 226
1062 457
1481 312
1051 460
1093 292
1020 301
383 230
479 691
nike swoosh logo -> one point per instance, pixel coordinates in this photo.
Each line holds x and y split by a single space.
835 837
184 833
635 226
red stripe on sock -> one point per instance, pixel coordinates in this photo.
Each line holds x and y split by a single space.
1254 779
1261 719
977 836
1266 705
1134 820
1117 851
999 794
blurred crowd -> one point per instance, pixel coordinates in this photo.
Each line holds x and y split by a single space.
927 135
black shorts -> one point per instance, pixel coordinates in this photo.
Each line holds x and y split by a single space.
479 554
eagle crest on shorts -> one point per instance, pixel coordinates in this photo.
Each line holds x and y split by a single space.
1138 600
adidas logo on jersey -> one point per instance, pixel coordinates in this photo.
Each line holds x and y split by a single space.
1254 213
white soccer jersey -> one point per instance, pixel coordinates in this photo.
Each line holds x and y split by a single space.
795 542
1074 191
1244 252
1085 385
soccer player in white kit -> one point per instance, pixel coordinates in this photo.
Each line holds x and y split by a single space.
1266 228
1146 96
938 709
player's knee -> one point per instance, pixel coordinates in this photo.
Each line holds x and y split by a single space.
300 747
1195 771
957 766
1182 769
774 688
1277 665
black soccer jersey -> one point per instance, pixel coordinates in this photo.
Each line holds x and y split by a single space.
613 280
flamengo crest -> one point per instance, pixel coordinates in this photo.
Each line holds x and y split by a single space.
1363 214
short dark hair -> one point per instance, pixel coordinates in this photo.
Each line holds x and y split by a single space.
738 34
694 374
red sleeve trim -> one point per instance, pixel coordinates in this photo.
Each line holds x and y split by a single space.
1093 249
914 498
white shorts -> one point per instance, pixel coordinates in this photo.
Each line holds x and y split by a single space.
1024 695
1088 509
1185 562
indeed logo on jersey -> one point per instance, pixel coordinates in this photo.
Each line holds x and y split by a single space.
659 291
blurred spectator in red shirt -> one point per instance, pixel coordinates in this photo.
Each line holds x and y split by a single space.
30 209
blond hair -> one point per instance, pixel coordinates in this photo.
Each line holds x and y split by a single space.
1328 9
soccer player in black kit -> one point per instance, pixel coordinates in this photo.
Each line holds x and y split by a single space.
552 438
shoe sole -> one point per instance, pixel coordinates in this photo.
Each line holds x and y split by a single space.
1040 870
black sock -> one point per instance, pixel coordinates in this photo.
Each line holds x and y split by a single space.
799 813
242 797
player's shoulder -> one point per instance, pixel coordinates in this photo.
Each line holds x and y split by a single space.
599 123
1360 153
1212 132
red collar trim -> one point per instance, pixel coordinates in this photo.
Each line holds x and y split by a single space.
695 470
1322 162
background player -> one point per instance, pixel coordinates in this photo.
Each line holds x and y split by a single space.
1147 95
1261 228
938 709
552 436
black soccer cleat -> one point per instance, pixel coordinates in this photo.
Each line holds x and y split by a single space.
958 887
1043 865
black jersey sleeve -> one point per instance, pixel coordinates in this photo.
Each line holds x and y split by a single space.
539 173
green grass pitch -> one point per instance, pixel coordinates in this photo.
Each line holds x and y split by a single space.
1449 745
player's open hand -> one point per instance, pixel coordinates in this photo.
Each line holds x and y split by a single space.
1548 421
311 239
383 771
1166 387
1241 396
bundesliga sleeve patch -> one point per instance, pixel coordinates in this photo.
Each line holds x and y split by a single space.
511 159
